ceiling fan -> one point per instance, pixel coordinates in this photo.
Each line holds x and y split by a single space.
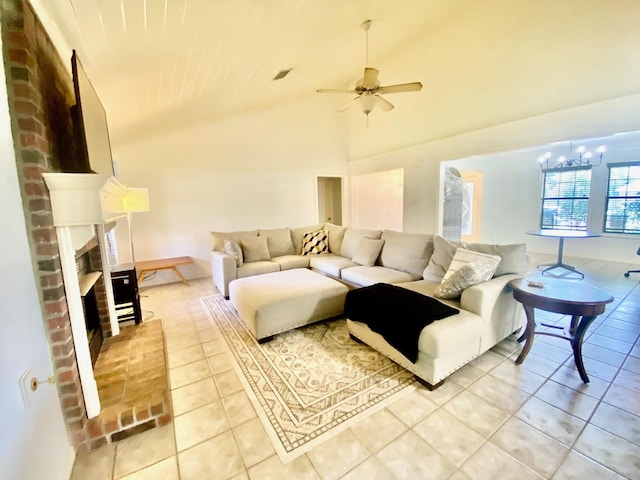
368 88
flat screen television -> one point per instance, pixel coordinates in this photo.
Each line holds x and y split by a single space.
91 122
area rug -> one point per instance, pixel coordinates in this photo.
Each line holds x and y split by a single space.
310 383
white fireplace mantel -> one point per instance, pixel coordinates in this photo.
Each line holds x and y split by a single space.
82 203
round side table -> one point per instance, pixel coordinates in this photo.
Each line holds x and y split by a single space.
582 301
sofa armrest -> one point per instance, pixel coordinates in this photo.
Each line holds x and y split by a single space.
493 301
223 270
481 299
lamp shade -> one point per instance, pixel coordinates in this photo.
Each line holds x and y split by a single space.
136 200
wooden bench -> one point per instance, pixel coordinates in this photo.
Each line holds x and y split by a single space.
148 266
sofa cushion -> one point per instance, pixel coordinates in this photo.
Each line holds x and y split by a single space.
408 252
513 257
254 249
443 252
257 268
352 239
218 238
330 264
297 234
278 241
289 262
232 249
365 276
368 251
315 243
336 235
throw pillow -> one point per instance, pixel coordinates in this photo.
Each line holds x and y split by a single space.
466 276
514 257
254 249
315 243
278 241
368 251
232 249
463 256
443 252
336 235
352 238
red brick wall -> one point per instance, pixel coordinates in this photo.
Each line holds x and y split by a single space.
40 91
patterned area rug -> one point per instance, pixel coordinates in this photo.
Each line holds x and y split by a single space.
310 383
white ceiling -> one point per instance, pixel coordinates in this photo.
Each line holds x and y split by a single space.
169 63
162 65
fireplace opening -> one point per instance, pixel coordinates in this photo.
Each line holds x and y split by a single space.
92 322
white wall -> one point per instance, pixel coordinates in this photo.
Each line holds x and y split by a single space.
252 171
377 200
33 442
512 199
422 161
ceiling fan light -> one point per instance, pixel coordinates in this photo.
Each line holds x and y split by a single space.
368 102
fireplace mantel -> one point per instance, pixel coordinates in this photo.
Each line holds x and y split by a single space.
82 203
82 200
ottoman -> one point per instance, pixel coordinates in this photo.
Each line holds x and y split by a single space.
276 302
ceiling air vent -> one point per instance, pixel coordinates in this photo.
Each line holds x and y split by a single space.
282 73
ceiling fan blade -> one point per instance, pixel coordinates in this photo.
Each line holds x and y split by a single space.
370 79
348 104
401 87
334 90
384 104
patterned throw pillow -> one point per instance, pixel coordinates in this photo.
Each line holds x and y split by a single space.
467 275
464 256
315 243
232 249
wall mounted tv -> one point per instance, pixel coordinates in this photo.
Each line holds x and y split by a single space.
90 122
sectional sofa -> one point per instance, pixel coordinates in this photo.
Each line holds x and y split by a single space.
472 278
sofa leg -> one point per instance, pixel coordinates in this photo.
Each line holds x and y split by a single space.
265 339
428 386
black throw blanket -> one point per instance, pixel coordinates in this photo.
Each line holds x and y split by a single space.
398 314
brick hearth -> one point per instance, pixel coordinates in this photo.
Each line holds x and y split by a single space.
131 374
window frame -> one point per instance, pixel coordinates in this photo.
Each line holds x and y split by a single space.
544 198
610 167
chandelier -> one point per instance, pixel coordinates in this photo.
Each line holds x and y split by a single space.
580 157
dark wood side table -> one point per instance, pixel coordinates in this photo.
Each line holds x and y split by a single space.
582 301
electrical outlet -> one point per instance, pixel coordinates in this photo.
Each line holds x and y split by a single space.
25 386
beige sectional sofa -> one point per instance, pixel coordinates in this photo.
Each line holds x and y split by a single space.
420 262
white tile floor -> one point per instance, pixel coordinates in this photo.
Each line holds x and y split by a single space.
491 419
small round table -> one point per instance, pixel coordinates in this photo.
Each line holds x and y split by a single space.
582 301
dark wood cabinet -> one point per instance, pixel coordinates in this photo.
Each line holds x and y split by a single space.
126 295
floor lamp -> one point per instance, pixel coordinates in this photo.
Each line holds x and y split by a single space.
135 200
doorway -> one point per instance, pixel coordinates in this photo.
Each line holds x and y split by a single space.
329 190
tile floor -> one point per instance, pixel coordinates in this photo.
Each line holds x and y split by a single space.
491 419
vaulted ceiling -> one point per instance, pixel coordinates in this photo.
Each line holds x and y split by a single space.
181 61
160 65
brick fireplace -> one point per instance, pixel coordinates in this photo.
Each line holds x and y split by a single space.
40 93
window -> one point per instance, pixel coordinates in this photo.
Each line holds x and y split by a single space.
623 199
565 198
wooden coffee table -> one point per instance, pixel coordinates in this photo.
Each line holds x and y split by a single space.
580 300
